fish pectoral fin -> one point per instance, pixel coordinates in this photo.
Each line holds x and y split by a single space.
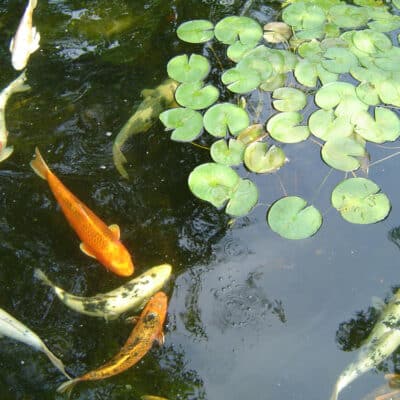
12 45
6 152
160 338
132 320
147 92
36 39
114 228
85 249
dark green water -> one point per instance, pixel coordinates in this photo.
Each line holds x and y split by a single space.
251 315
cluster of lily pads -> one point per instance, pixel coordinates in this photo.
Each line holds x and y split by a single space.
318 43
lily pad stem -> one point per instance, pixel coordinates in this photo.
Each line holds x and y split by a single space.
282 186
216 56
199 145
385 158
260 106
316 194
316 142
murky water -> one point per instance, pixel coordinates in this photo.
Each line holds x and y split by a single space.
251 315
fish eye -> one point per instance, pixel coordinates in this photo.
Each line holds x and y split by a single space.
151 316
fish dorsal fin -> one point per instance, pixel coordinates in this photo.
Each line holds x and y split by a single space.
114 228
85 249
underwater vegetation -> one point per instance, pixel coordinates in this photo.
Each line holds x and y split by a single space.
333 58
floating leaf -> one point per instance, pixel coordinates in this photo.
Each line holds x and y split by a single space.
194 69
275 82
213 182
340 153
196 31
372 42
194 95
187 123
290 218
251 134
277 32
243 199
258 158
289 99
359 202
230 153
237 50
241 80
303 16
232 28
339 60
283 127
324 125
385 126
307 73
368 93
259 65
221 117
347 16
389 91
311 50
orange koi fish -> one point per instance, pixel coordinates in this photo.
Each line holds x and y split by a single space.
149 328
98 240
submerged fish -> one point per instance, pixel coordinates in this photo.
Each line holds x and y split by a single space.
98 240
26 39
155 101
14 329
150 397
380 344
17 85
132 295
149 328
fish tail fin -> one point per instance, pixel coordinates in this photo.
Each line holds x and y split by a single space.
6 152
39 274
67 387
56 362
39 165
119 160
33 4
335 393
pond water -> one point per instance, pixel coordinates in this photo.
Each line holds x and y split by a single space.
251 315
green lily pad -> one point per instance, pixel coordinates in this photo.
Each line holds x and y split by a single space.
386 24
339 60
304 16
385 126
311 50
241 80
275 82
325 125
340 153
290 218
251 134
187 123
194 69
368 93
196 31
233 28
289 99
389 91
359 202
223 117
347 16
238 50
213 182
194 95
307 73
277 32
371 42
243 199
259 65
282 127
230 153
261 159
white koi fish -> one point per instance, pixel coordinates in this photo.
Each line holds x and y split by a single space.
134 294
26 39
17 85
380 344
14 329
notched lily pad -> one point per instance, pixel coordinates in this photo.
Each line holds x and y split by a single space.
227 153
261 159
184 69
290 218
289 99
223 117
339 60
358 201
241 80
196 31
213 182
243 199
237 50
251 134
233 28
186 123
277 32
303 16
283 127
325 125
371 42
348 16
196 96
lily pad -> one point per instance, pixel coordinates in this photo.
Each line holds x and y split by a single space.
325 125
304 16
289 99
277 32
243 199
196 31
223 117
276 81
186 123
340 153
251 134
389 91
233 28
213 182
290 218
348 16
385 126
283 127
307 73
311 50
241 80
184 69
194 95
261 159
259 65
339 60
237 50
227 153
359 202
372 42
368 93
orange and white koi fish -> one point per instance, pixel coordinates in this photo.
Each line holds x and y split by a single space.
149 328
26 39
98 240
